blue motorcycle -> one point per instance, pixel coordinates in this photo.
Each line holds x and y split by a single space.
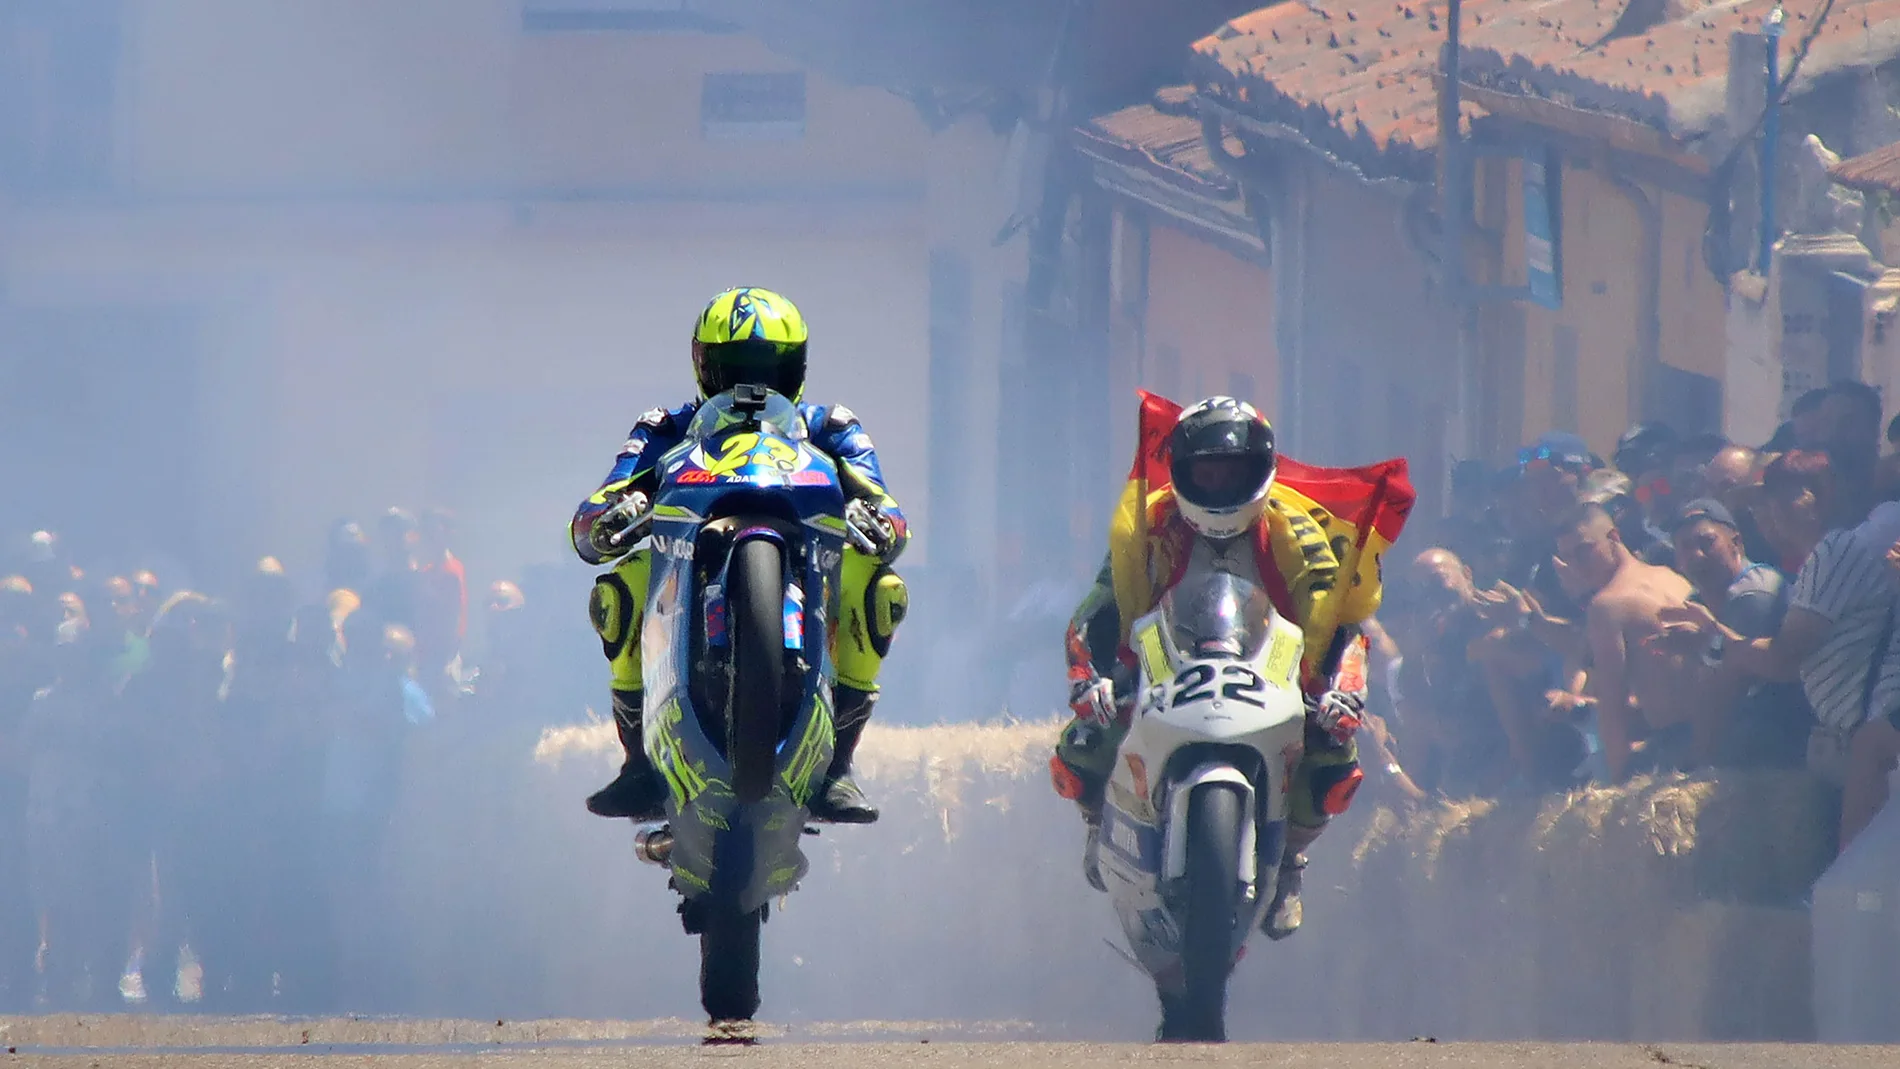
746 533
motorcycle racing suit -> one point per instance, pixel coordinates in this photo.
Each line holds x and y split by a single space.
1287 550
873 598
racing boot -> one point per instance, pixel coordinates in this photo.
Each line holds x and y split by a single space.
637 793
1092 850
841 802
1284 916
1074 776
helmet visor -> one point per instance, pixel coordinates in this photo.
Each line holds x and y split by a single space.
1223 480
1223 464
777 366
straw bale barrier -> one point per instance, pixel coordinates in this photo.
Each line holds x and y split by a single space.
1660 910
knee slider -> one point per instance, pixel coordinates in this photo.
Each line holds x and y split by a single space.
1334 786
886 601
610 610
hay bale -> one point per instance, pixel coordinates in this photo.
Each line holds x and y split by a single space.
1726 973
1579 915
1765 837
1544 918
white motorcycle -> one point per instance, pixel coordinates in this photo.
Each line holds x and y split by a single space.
1194 820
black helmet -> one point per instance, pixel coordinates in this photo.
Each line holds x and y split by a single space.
1222 428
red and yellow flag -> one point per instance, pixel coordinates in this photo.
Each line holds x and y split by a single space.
1362 510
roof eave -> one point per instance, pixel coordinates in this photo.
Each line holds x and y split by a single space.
1107 148
1864 185
1232 230
1613 130
1399 170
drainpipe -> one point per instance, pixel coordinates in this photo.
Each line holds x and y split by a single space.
1649 330
1770 134
1461 431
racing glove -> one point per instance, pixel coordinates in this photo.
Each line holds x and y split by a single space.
607 534
1093 700
1338 713
878 529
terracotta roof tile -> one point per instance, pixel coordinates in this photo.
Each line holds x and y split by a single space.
1673 75
1352 76
1876 170
1163 138
1355 76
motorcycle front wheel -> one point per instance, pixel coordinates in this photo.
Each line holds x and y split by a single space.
729 964
1212 900
756 594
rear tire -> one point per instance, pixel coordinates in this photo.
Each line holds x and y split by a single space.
1212 901
755 599
729 964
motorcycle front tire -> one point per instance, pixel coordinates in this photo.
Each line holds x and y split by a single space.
1212 900
756 595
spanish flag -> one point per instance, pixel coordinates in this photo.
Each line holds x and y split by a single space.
1362 510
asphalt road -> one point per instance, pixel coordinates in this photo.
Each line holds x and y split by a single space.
110 1042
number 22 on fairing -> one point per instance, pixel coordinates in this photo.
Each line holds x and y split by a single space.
1196 684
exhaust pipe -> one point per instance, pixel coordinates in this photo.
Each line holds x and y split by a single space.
653 845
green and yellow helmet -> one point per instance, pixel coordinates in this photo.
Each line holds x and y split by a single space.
750 335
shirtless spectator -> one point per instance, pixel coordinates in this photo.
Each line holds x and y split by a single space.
1616 493
1743 721
1640 687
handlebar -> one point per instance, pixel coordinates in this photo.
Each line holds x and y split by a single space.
638 523
866 529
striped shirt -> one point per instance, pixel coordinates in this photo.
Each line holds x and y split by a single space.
1846 581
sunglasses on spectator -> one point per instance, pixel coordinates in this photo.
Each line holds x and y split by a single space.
1653 489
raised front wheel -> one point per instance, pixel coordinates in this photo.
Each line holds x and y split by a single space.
755 598
1212 902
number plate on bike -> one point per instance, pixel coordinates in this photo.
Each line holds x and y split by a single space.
1210 684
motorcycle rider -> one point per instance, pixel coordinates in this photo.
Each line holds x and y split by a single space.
1219 514
744 336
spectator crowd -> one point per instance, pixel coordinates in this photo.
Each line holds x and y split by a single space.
195 790
1692 603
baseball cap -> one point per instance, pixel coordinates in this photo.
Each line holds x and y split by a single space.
1705 508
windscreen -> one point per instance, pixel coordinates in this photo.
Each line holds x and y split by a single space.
1219 614
780 417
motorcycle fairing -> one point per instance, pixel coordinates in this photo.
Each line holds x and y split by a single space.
781 489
